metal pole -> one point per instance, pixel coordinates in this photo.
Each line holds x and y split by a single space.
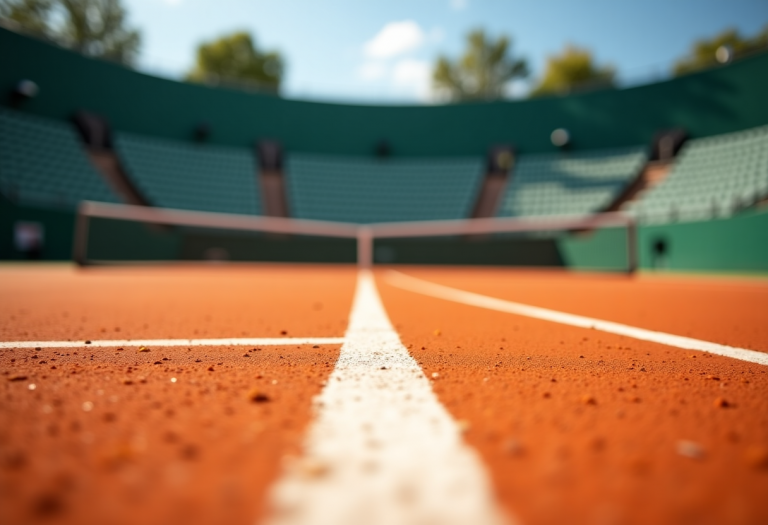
364 247
632 262
80 245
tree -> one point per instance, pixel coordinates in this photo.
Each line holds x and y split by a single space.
97 28
572 70
235 60
704 53
482 73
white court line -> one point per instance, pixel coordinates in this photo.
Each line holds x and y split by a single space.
178 342
382 450
414 284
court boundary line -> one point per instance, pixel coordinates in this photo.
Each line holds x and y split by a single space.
414 284
242 341
382 448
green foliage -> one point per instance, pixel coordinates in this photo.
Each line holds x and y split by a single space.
482 73
703 53
29 15
572 70
234 60
97 28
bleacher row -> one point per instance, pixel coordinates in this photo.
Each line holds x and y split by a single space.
368 190
572 184
712 177
43 163
174 174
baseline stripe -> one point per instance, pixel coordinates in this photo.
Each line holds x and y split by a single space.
178 342
382 449
417 285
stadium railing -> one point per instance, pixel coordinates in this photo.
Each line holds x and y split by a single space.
364 234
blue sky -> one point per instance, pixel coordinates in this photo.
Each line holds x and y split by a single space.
382 51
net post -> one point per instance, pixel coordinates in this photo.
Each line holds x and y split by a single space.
364 247
632 263
80 244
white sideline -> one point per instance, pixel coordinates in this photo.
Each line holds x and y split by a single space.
381 450
417 285
177 342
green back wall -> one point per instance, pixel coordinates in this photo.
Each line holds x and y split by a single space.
717 101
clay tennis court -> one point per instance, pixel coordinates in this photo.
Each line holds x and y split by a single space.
567 424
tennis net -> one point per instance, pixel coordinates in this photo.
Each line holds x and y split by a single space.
120 234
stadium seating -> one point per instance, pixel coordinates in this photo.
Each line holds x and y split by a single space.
362 190
569 183
712 177
174 174
42 163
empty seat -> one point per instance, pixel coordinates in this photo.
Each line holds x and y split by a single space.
362 190
569 183
174 174
42 162
712 177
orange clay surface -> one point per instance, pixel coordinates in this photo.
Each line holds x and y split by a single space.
107 436
580 426
58 302
574 425
731 311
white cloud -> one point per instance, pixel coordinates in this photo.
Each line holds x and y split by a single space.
410 71
390 60
517 89
459 5
372 70
407 77
414 76
394 39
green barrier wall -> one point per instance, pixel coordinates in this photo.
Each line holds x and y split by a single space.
720 100
604 249
58 227
737 244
